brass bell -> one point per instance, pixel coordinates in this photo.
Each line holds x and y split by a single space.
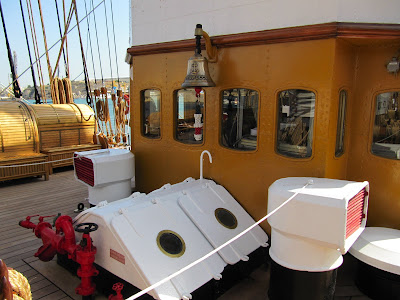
197 71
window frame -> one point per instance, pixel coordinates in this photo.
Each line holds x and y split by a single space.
372 123
142 108
276 99
342 125
220 119
175 118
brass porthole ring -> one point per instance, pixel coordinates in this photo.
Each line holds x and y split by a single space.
226 218
170 243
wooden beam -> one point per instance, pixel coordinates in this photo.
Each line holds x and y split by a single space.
282 35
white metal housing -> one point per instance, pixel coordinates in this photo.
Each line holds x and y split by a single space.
309 232
106 172
128 243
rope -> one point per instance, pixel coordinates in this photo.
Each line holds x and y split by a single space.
37 96
109 51
16 88
115 44
36 49
87 82
34 164
137 295
66 40
52 46
54 90
59 26
98 47
69 98
20 285
63 38
45 43
61 91
91 48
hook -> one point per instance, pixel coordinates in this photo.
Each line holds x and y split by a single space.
201 161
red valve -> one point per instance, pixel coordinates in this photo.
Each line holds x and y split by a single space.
62 241
118 288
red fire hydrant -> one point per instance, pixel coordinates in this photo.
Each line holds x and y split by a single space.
62 241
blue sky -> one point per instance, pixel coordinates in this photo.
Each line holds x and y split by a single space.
16 36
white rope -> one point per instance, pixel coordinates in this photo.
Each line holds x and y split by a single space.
32 164
137 295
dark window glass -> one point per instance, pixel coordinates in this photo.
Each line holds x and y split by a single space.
339 149
239 119
151 113
386 131
295 123
189 116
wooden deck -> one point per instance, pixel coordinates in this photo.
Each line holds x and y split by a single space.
30 196
62 193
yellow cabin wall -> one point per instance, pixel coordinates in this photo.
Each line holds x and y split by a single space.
343 79
382 173
323 66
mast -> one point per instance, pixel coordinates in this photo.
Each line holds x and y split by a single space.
16 88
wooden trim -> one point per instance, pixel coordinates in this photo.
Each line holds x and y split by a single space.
283 35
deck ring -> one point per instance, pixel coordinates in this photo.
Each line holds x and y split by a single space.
226 218
170 243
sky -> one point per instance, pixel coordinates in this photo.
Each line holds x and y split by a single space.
102 63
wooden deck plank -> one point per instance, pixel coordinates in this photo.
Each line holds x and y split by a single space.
40 284
28 196
55 296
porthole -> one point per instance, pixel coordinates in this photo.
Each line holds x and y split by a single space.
170 243
226 218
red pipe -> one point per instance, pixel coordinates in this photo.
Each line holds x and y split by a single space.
63 241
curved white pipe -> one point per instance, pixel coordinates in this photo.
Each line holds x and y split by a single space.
201 161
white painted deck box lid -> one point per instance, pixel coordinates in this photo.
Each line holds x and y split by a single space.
201 202
379 247
138 227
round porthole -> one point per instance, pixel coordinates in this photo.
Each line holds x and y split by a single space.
171 243
226 218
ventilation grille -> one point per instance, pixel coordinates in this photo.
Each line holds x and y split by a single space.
355 212
84 169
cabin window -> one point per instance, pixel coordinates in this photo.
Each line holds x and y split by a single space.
339 149
189 116
386 130
239 119
295 123
151 107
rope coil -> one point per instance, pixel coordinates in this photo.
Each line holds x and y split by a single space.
20 285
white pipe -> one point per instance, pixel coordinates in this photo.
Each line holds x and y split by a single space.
201 161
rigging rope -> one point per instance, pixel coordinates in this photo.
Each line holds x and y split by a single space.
17 90
37 96
98 47
59 26
64 37
109 51
45 42
87 83
36 50
115 44
52 46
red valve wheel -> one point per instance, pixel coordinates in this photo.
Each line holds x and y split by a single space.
117 286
